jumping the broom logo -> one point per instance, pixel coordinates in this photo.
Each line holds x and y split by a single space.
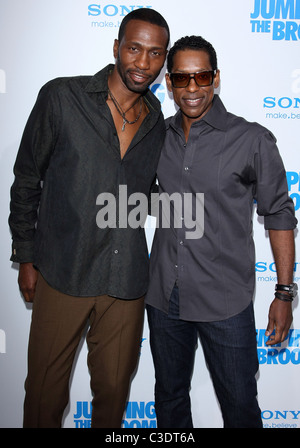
280 18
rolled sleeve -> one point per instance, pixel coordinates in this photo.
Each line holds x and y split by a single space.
271 189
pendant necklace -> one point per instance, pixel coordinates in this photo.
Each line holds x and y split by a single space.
122 113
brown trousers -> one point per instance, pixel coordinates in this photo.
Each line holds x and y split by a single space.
113 340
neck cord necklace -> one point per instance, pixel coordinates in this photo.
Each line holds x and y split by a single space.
122 113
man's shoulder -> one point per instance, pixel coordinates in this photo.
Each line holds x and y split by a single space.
65 83
63 89
247 127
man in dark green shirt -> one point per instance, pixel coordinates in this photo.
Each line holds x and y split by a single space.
85 136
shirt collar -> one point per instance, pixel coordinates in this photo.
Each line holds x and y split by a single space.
99 84
215 117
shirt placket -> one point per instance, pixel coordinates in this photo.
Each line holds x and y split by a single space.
116 248
185 187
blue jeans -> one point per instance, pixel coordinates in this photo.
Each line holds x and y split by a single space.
230 352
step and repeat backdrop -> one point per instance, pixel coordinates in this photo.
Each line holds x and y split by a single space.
258 48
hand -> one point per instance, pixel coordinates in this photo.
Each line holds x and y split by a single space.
280 319
27 280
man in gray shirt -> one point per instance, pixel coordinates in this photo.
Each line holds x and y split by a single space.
202 280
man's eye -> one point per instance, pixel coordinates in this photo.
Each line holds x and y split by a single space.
204 76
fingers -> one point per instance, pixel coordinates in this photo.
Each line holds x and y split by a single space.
280 320
28 294
277 337
27 281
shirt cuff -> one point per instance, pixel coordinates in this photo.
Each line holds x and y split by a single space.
280 222
22 251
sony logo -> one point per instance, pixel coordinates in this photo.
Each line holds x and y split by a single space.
111 10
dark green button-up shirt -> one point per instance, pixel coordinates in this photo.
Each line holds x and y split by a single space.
69 154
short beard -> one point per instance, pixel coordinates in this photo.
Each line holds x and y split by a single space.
132 87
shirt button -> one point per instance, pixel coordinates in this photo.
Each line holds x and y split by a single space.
186 168
181 243
116 251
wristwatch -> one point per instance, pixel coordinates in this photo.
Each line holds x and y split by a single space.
290 289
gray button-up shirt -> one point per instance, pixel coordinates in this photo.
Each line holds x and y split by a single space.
232 163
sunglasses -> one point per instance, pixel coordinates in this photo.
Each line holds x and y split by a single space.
202 79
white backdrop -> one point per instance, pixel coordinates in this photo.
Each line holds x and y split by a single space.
257 42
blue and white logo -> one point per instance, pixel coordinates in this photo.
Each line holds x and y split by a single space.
287 352
280 18
140 414
109 15
293 180
83 414
285 107
280 418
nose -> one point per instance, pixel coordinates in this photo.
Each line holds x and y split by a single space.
193 86
143 61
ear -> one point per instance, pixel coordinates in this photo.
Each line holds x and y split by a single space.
168 82
116 48
217 79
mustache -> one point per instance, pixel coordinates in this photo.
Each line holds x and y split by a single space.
139 72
